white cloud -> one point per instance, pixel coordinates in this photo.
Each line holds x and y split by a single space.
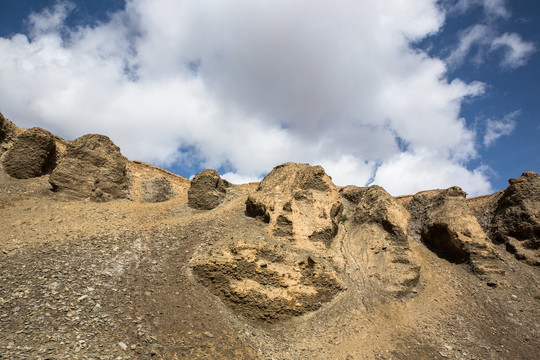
516 51
407 173
481 40
492 8
497 128
474 36
240 179
252 84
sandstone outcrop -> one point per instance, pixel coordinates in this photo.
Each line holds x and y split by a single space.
93 167
32 154
300 203
267 282
380 258
516 218
207 190
446 225
156 189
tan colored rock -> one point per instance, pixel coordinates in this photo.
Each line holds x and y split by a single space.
32 154
300 203
377 246
93 167
266 282
448 227
207 190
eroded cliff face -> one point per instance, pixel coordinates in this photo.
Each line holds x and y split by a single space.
291 259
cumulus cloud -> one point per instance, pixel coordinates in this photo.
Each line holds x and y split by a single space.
497 128
405 173
245 86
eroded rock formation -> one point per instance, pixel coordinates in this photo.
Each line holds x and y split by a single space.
8 133
446 225
93 167
376 241
207 190
32 154
265 281
512 217
299 202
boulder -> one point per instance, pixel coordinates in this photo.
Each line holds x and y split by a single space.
516 219
299 202
93 167
156 189
207 190
32 154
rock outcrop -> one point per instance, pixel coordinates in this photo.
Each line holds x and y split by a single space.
300 203
266 282
32 154
207 190
516 218
156 189
93 167
8 133
446 225
376 245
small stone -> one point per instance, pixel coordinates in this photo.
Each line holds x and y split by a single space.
210 335
82 298
122 345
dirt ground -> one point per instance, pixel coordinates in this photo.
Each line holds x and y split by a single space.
87 280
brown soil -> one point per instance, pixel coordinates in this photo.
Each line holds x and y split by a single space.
119 280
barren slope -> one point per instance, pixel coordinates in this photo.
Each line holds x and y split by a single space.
292 268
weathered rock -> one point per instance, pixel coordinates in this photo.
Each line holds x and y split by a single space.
376 240
446 225
266 282
92 167
32 154
8 133
207 190
156 189
516 220
299 202
377 206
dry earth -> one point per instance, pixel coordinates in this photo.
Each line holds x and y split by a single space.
291 268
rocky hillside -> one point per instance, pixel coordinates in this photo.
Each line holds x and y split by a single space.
106 258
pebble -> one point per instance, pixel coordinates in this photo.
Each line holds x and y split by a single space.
122 345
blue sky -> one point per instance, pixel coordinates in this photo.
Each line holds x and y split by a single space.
410 95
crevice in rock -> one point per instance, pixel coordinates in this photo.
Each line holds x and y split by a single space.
439 239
